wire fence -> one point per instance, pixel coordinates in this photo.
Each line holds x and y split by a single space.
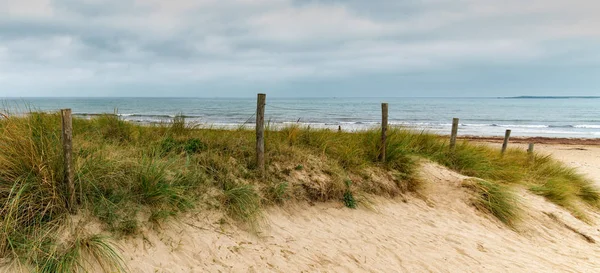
347 115
67 137
346 121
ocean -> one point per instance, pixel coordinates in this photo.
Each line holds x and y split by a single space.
546 117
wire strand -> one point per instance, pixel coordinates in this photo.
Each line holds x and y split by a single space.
251 116
304 110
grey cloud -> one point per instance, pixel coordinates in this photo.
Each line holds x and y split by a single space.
95 8
290 45
18 28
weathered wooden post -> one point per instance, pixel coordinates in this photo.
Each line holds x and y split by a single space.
384 128
454 133
530 149
67 143
260 132
505 144
339 128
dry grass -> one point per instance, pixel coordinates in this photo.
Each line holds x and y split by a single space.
123 169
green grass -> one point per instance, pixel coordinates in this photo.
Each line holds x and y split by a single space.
348 199
277 193
81 255
496 199
129 175
242 203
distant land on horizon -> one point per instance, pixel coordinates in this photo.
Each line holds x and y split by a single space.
552 97
292 97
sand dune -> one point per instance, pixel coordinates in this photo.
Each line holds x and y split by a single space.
443 233
435 231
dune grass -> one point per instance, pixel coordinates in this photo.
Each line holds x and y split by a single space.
81 255
129 175
495 198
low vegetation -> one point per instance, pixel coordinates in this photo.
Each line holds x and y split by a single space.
495 198
129 175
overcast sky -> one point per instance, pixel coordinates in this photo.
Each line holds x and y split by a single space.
299 48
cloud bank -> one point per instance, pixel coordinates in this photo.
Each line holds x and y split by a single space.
299 48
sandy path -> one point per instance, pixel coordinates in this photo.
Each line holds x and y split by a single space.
442 234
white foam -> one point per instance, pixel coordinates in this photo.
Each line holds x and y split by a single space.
587 126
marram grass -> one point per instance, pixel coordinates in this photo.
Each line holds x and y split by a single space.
123 170
496 199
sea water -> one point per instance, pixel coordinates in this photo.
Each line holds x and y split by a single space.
549 117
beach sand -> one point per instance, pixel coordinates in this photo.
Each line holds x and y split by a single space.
441 232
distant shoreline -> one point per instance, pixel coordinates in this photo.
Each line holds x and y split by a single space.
551 97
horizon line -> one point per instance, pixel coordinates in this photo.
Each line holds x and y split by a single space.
291 97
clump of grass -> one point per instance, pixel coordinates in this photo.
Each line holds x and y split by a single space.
32 195
127 226
153 187
589 193
325 186
242 203
117 190
483 162
105 187
178 125
292 132
189 146
82 254
112 127
496 199
348 199
562 185
169 144
32 192
278 192
565 194
194 145
545 176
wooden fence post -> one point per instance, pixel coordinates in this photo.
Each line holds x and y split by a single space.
530 152
505 144
454 133
260 132
384 128
67 142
